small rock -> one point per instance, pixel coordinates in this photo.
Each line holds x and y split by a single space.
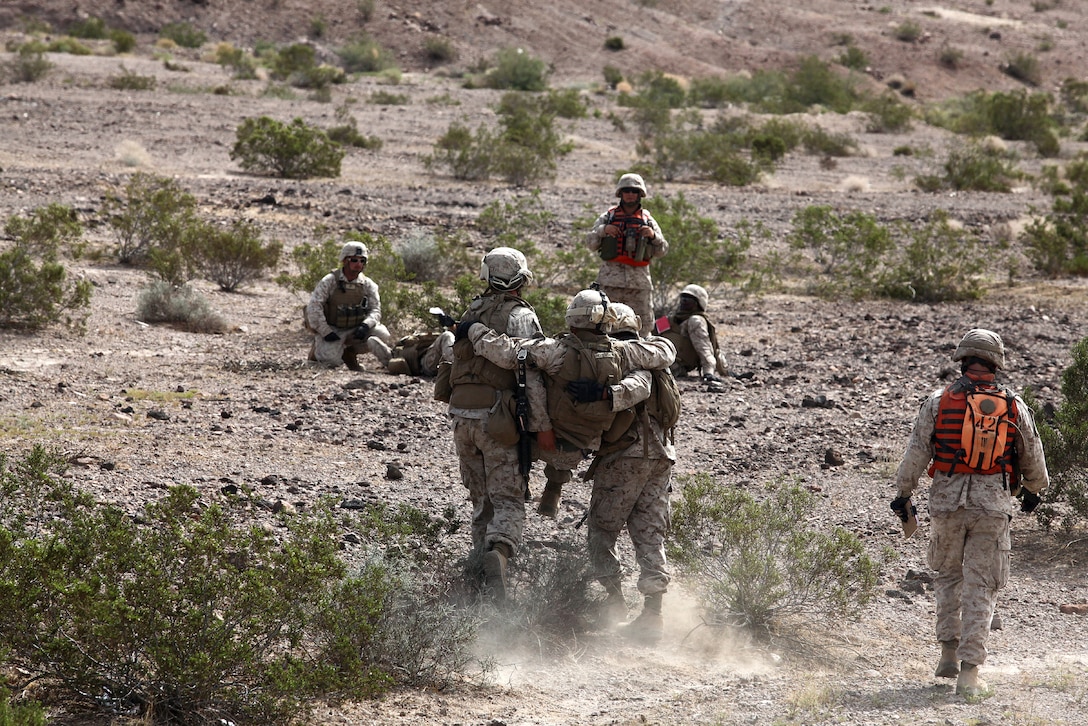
158 415
833 458
282 507
1074 609
393 472
820 401
375 445
229 489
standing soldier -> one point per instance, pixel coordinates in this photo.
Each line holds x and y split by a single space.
981 446
627 237
479 398
694 337
345 313
631 484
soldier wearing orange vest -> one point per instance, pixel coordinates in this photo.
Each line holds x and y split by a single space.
627 237
978 441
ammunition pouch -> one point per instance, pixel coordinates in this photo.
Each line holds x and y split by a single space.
501 423
609 249
442 387
472 395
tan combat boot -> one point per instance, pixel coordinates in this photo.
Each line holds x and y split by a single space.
649 626
613 610
549 499
494 563
969 684
948 667
399 367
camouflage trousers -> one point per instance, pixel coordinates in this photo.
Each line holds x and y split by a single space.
631 491
331 353
497 491
970 550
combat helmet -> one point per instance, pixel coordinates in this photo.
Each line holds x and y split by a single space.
631 181
590 309
981 343
700 294
505 268
626 320
354 249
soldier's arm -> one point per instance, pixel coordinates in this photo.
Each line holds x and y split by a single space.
593 237
649 353
920 447
374 315
1029 449
632 389
502 349
315 309
699 334
538 401
661 245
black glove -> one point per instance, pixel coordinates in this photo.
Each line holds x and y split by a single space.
587 390
462 328
332 337
446 321
1029 501
899 506
362 332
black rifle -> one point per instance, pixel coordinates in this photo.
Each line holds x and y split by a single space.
525 438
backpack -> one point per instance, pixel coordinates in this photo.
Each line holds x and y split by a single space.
664 401
985 428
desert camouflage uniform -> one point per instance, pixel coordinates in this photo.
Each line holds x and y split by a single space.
629 284
631 487
332 353
547 355
703 354
969 544
489 469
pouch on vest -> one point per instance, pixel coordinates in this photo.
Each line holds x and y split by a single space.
501 423
609 249
442 388
985 429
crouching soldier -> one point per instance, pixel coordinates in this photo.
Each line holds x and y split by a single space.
694 337
345 314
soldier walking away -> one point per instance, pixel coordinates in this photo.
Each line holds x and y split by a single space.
631 483
345 314
627 237
480 401
696 341
980 444
583 369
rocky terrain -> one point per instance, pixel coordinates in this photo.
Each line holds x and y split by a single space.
142 407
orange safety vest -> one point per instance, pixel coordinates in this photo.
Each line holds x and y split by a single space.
974 429
630 226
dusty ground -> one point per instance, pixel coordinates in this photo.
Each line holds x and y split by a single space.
242 408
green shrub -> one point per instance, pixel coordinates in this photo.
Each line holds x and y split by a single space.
853 58
24 712
123 41
887 114
937 262
975 167
232 256
612 76
28 65
91 29
467 154
908 32
292 151
35 290
384 98
1024 67
1057 242
439 50
1015 116
165 302
567 103
347 133
131 81
754 561
614 43
850 249
712 92
153 214
516 70
816 83
184 614
242 64
950 57
71 46
365 55
1064 432
184 34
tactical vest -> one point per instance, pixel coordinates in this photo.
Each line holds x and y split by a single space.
347 306
626 244
475 379
973 433
588 355
686 354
